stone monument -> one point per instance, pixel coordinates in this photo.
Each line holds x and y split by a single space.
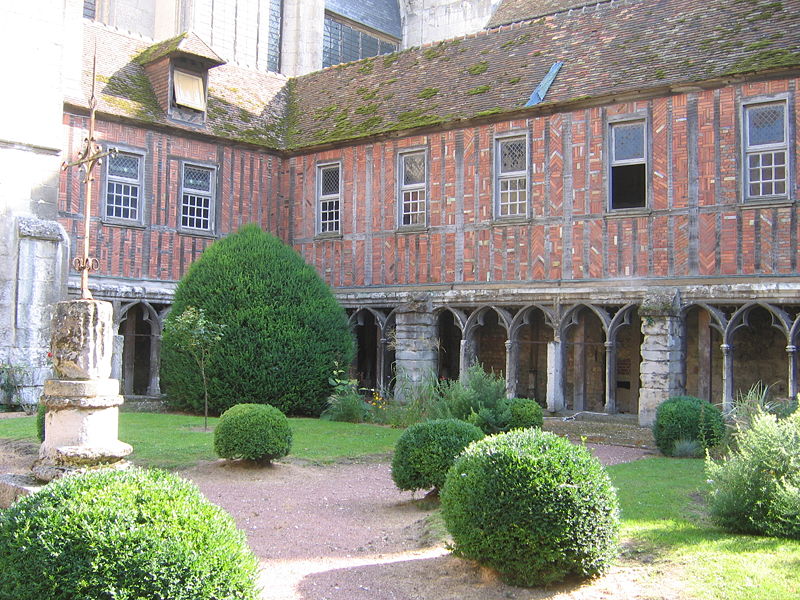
82 419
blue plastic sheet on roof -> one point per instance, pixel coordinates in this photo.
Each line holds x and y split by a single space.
541 90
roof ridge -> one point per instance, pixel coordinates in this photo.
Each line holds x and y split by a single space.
580 7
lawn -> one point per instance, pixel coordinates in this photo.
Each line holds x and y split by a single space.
664 521
179 441
664 525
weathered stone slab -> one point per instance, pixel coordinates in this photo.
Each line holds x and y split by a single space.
81 387
82 339
13 487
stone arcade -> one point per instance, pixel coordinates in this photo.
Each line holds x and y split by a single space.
626 233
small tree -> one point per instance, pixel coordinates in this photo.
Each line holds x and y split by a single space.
197 336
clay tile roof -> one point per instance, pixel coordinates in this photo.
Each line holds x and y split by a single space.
608 49
185 44
514 11
243 105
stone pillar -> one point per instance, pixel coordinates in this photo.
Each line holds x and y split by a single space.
579 367
555 375
116 357
727 378
467 357
792 351
704 372
662 372
512 368
611 377
380 362
416 350
154 384
81 425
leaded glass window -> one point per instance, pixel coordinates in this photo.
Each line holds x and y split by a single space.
123 186
342 42
512 177
628 165
329 198
274 35
197 198
413 194
766 150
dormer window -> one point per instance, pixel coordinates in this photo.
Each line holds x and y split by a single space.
189 90
178 72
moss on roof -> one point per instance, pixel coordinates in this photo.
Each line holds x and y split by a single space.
607 49
159 50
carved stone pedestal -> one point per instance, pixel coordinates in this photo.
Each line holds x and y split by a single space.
82 420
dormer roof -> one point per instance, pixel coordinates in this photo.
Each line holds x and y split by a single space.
188 44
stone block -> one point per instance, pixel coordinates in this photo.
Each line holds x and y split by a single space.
81 387
13 487
82 339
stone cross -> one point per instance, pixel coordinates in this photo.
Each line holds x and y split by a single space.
87 159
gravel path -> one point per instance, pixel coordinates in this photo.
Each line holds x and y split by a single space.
344 532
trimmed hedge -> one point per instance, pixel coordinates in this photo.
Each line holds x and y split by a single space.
123 534
757 489
252 432
686 418
426 450
532 506
284 330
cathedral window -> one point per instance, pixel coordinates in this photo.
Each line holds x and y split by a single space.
511 184
628 165
329 185
766 150
346 41
413 195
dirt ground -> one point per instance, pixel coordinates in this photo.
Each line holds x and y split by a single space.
344 532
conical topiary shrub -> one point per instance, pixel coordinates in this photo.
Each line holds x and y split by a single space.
283 329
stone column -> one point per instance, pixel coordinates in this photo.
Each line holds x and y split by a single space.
792 351
154 384
611 377
82 421
727 378
416 350
555 375
380 363
512 368
662 372
466 357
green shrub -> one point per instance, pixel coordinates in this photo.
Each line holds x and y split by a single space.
532 506
253 432
425 452
757 489
687 449
524 413
123 534
41 414
687 418
345 403
284 330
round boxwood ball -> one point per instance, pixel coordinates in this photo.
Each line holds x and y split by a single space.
426 450
123 534
532 506
253 432
523 413
686 418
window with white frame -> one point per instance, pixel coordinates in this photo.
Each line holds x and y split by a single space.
190 90
511 167
766 150
329 186
197 198
628 165
123 187
413 197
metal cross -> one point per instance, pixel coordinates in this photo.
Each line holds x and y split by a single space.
88 158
